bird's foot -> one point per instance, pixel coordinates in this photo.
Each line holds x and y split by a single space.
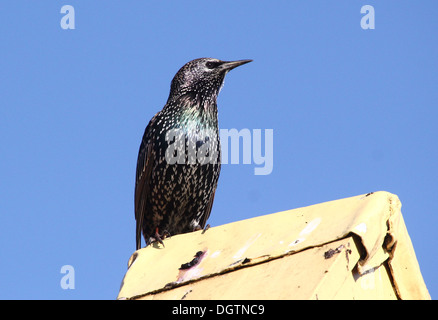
197 227
159 237
205 228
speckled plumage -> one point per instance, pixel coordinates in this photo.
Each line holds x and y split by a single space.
173 198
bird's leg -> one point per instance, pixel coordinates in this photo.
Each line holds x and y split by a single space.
159 237
156 238
198 227
205 228
165 234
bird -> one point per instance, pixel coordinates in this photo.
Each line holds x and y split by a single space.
179 159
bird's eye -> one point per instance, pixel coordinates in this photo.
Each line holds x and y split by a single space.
212 64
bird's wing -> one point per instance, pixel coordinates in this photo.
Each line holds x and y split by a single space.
207 212
143 174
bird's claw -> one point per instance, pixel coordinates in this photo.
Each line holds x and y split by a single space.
159 237
205 228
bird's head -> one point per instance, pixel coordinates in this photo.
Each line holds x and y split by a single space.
202 78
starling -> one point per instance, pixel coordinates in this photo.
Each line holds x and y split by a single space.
178 161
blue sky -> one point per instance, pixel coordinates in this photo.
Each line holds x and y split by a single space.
352 111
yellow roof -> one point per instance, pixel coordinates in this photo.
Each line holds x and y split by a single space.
353 248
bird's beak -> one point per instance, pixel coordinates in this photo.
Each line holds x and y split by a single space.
229 65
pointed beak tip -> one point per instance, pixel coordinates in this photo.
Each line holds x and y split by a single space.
244 61
229 65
